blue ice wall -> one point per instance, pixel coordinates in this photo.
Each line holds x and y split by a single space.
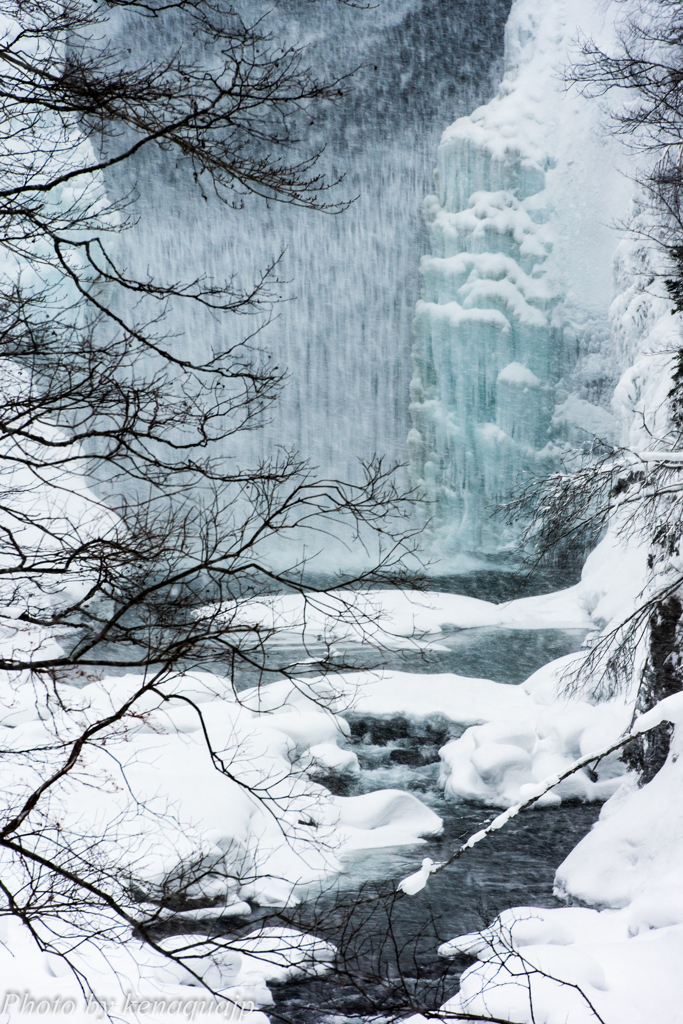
514 359
487 355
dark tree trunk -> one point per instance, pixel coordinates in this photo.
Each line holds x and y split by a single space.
663 675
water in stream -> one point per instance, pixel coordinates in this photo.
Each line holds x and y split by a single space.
390 964
345 340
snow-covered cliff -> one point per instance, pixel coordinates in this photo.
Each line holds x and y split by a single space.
514 353
549 266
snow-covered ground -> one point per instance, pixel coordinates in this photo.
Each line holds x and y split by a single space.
616 959
154 797
611 580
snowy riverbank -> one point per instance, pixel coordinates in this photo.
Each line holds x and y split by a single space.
277 739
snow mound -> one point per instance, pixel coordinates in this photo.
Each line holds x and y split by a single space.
567 965
494 761
633 856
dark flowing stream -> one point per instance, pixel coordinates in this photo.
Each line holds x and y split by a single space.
389 964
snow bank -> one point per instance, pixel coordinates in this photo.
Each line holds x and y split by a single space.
514 735
153 800
401 618
622 962
611 582
387 693
131 982
544 734
527 953
159 760
633 856
461 700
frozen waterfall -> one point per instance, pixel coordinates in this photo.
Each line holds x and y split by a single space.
513 355
487 352
345 335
